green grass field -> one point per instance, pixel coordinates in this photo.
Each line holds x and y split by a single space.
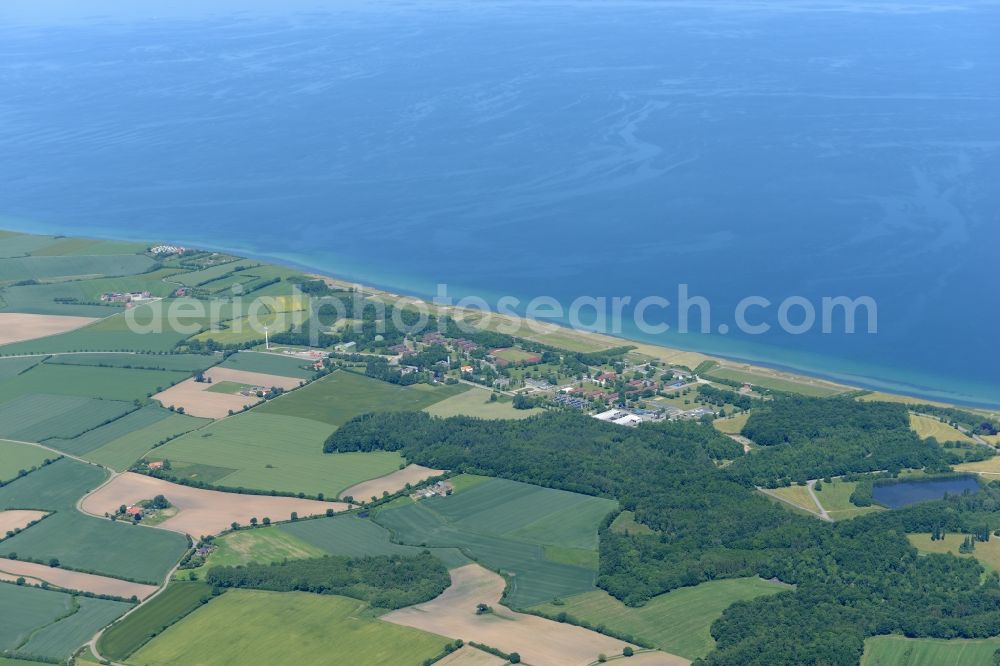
121 453
350 536
988 553
677 622
769 382
84 542
226 387
271 364
35 418
15 457
206 275
476 402
286 628
625 523
339 397
514 355
262 545
507 526
836 499
90 381
271 452
732 425
166 608
50 624
901 651
12 367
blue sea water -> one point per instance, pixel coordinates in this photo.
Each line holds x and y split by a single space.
547 148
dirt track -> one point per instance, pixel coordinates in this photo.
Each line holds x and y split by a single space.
74 580
200 512
390 482
539 641
17 327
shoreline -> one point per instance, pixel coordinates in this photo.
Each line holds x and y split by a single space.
755 365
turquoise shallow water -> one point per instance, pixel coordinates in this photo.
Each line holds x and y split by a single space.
564 149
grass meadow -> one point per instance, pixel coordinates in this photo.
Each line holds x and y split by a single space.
988 553
261 545
265 451
901 651
15 457
84 542
677 622
340 396
258 627
928 426
476 402
774 383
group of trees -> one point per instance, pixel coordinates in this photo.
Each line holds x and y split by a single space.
851 579
382 581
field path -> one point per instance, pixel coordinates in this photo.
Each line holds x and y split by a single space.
811 485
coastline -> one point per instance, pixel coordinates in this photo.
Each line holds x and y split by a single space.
678 355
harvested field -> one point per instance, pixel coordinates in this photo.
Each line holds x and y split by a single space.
200 512
390 483
198 400
537 640
470 656
17 327
75 580
18 520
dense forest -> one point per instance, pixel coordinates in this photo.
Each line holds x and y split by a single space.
382 581
852 579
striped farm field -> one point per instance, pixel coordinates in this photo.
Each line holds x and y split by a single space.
677 622
89 381
175 362
928 426
98 437
177 600
47 268
37 417
270 364
122 452
286 628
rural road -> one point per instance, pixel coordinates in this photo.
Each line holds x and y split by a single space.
811 485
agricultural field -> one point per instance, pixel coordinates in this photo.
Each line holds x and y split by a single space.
251 620
270 364
176 362
58 298
95 545
805 387
50 624
177 600
262 545
988 553
35 418
267 452
351 536
928 426
536 639
90 381
221 393
340 396
390 483
15 457
199 512
122 452
88 246
16 519
43 268
206 275
251 329
677 622
510 526
19 327
18 245
12 367
145 328
902 651
75 580
98 437
476 402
